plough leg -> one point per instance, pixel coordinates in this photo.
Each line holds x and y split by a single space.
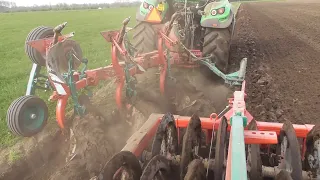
163 66
60 110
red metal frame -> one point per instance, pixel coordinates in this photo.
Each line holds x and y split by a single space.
116 69
266 134
148 60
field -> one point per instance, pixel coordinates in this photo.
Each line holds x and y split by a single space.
16 65
280 40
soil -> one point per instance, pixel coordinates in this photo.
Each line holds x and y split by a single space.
282 43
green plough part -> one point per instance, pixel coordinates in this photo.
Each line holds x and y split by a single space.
238 154
80 110
36 79
233 79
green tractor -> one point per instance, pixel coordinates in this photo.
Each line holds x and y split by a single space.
203 26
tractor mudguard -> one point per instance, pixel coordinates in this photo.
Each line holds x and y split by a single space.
162 7
217 15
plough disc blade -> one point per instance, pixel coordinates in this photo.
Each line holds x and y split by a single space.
59 56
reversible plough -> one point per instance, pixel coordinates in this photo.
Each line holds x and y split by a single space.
62 57
228 145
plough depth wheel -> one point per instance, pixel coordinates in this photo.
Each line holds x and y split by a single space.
35 34
27 116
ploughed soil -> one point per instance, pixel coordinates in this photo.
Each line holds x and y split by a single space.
282 43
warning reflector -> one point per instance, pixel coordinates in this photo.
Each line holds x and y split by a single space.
154 16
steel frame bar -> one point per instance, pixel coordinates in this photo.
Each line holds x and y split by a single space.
238 153
140 140
35 71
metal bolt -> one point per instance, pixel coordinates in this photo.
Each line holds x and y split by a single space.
33 116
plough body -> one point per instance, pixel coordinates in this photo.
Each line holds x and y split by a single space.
266 136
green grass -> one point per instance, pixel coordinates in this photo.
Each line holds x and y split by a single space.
13 156
15 65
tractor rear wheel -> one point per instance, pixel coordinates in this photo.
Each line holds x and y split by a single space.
144 38
27 116
217 45
35 34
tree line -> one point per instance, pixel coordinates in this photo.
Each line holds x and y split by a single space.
7 6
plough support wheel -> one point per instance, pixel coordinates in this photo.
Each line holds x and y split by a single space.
27 116
35 34
122 164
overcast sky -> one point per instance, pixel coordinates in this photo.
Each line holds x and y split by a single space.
52 2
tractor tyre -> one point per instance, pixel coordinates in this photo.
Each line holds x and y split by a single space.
144 38
35 34
217 45
27 116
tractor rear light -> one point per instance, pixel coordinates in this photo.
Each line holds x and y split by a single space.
151 7
213 12
221 10
145 5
